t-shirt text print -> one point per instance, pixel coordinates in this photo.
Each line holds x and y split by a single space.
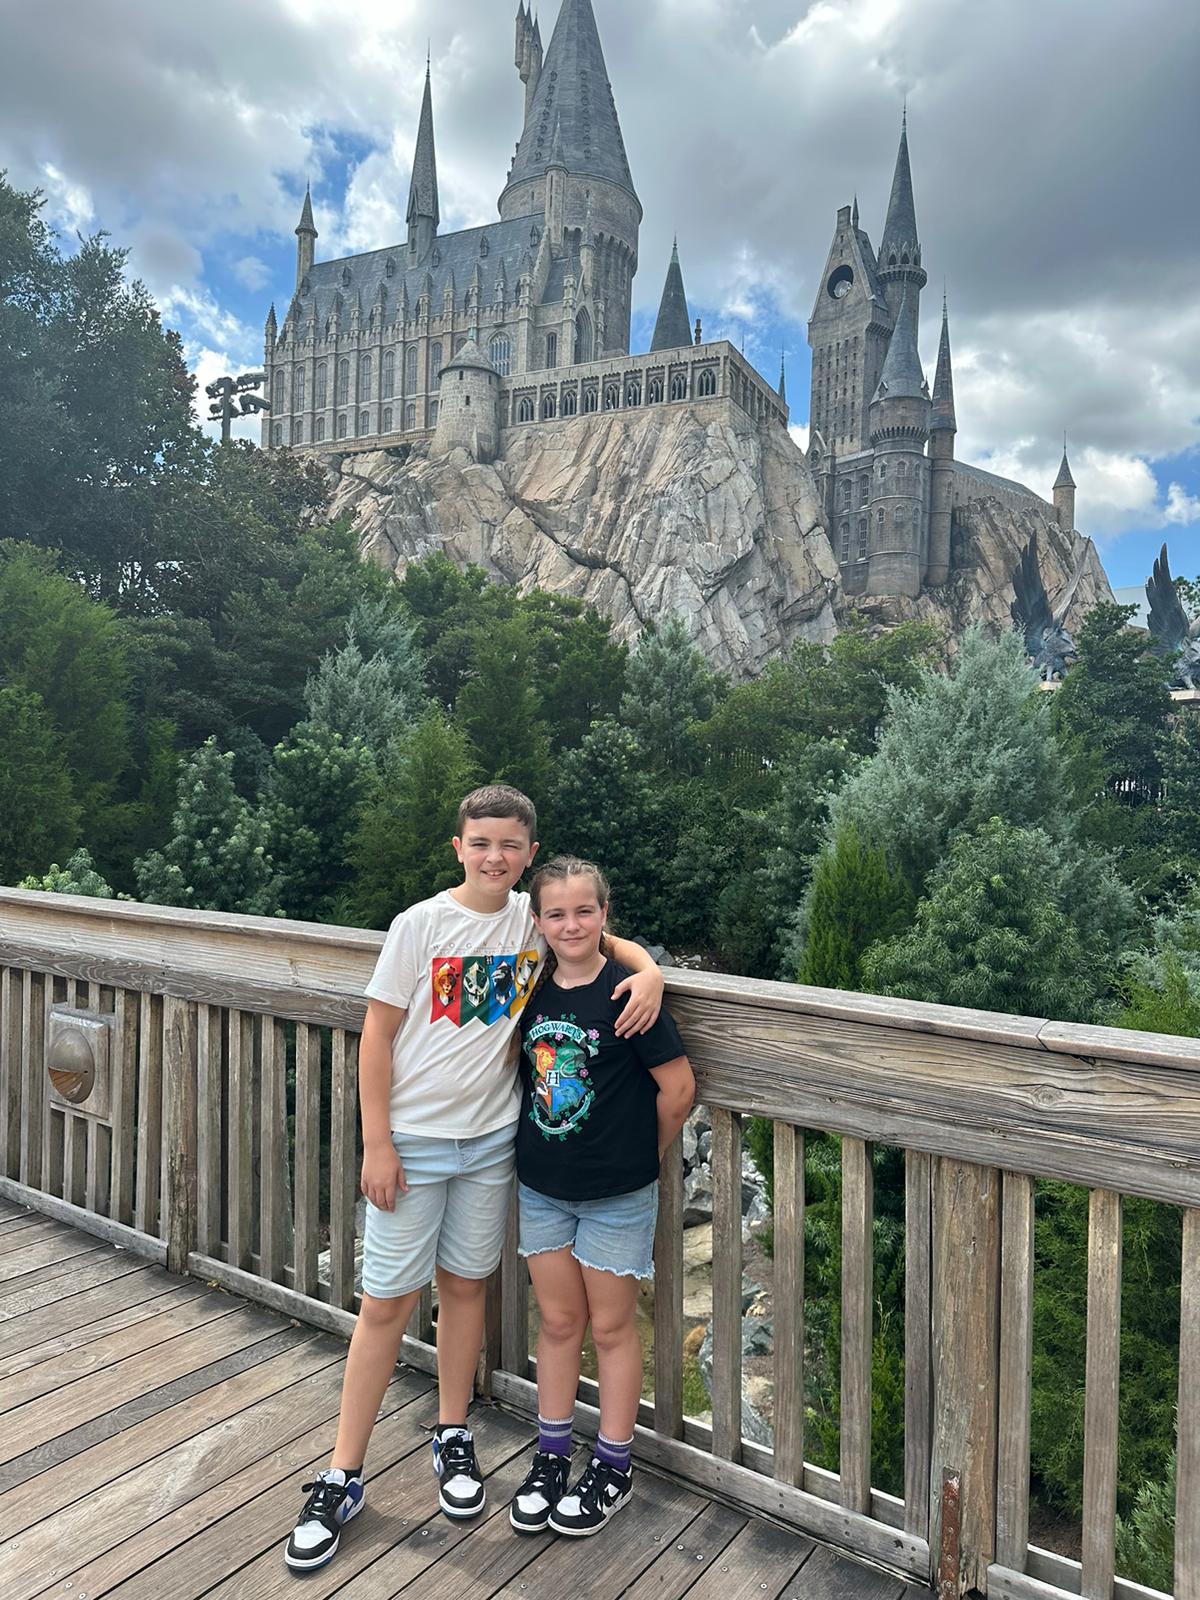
483 989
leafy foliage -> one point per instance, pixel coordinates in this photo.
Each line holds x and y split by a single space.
668 688
39 814
855 900
79 876
314 794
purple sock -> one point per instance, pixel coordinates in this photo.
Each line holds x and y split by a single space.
554 1438
615 1451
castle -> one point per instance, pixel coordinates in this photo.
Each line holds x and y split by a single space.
451 339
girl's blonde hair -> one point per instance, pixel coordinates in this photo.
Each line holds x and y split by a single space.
558 870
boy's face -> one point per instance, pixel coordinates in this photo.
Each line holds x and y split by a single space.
494 852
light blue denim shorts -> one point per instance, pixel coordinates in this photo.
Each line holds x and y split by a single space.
452 1216
614 1235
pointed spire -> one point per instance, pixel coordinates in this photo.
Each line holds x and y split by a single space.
271 324
900 229
942 415
1064 479
557 159
854 213
902 377
306 223
783 376
673 328
423 190
537 33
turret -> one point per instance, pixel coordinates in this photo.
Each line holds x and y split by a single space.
306 239
556 189
423 215
942 428
468 405
899 249
899 423
1064 493
528 55
673 329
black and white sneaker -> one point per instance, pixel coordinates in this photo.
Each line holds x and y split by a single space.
460 1493
544 1487
600 1493
327 1510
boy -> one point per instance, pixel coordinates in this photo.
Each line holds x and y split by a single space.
439 1101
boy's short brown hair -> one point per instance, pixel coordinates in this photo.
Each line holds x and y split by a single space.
498 800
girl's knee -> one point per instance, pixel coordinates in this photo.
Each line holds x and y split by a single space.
562 1324
611 1332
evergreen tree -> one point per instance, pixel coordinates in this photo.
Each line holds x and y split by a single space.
371 689
39 814
1179 811
796 827
854 901
400 851
668 687
216 859
1146 1539
499 710
315 791
79 876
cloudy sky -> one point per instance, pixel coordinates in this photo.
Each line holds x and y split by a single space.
1054 147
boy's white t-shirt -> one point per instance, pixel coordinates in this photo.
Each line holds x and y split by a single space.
463 977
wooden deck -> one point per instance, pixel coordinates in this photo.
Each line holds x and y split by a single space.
154 1433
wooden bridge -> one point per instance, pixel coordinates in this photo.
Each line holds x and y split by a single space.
177 1150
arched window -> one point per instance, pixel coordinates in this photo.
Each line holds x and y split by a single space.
410 369
342 425
862 538
845 491
899 516
298 431
500 351
388 387
570 403
410 416
387 419
883 472
525 409
707 383
433 413
435 365
612 397
591 398
319 430
879 516
633 392
679 386
549 408
343 382
277 390
298 389
583 336
864 488
277 433
364 422
460 339
655 392
901 470
319 397
551 349
845 533
364 378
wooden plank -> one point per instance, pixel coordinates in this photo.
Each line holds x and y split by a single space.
42 1253
668 1296
86 1222
179 1131
1016 1366
514 1298
858 1306
76 1277
149 1114
1187 1477
33 1088
727 1284
42 1228
422 1322
27 1338
918 1334
211 1491
239 1156
1100 1401
1063 1574
690 1554
344 1170
759 1561
10 1072
829 1576
127 1008
966 1277
307 1176
209 1029
788 1256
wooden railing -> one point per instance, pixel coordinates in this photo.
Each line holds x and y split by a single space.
218 1135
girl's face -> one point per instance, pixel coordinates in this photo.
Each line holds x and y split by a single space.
571 918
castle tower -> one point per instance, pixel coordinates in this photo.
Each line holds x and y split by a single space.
673 329
1064 494
306 239
848 331
468 405
900 268
423 215
573 96
942 428
899 420
528 57
556 189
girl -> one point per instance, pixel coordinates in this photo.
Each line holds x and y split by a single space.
597 1112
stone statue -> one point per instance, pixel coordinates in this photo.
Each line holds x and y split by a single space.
1048 645
224 392
1171 634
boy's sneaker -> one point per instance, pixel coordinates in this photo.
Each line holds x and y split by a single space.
329 1507
460 1493
544 1487
600 1492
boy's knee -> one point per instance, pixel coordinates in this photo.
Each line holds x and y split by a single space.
385 1313
465 1290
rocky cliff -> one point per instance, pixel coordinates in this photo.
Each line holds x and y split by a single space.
681 509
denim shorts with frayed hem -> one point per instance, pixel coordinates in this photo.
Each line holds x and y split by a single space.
452 1216
613 1235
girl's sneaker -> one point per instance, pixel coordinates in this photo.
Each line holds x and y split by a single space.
460 1493
329 1507
543 1488
599 1494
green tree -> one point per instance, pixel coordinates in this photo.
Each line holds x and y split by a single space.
499 710
314 794
669 686
39 814
400 851
855 900
216 858
1146 1538
1179 809
79 876
1013 921
372 688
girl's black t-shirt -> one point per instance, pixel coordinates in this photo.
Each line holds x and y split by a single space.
589 1123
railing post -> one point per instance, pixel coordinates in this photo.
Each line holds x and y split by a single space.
966 1301
179 1065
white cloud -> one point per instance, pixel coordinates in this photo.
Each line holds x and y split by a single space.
69 204
1181 507
252 273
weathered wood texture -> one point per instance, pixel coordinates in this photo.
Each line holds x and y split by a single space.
1016 1362
668 1297
1103 1383
788 1256
858 1304
1187 1486
727 1284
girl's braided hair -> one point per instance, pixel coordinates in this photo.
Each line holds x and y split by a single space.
558 870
